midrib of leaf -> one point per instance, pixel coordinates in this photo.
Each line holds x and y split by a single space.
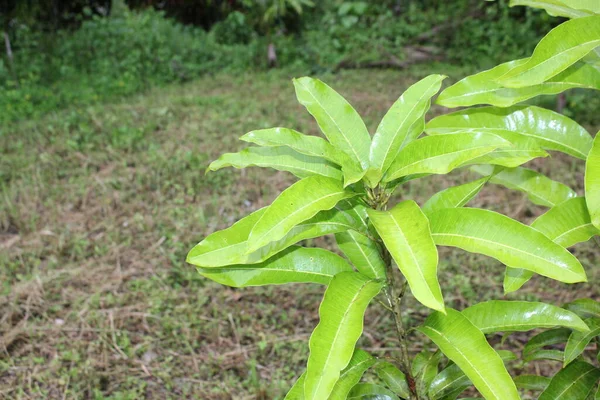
250 268
574 382
587 337
464 199
449 384
538 324
361 251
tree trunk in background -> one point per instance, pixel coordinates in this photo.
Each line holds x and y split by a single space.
271 56
9 55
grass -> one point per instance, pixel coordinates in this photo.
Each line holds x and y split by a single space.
100 205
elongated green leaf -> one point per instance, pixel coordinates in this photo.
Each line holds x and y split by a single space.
399 126
280 158
519 316
551 130
455 196
341 323
425 368
578 341
371 391
523 149
360 362
559 49
294 205
482 89
309 145
393 378
545 354
464 344
440 154
362 252
295 264
585 308
540 189
405 232
576 381
592 182
546 338
562 8
509 241
297 391
337 119
532 382
227 247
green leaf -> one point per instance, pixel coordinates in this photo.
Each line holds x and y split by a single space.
309 145
393 378
280 158
540 189
455 196
297 391
576 381
543 354
294 205
482 89
562 8
592 182
585 308
559 49
546 338
523 149
425 368
341 324
509 241
464 344
520 316
532 382
551 130
360 362
371 391
403 122
578 341
295 264
440 154
337 119
362 252
405 232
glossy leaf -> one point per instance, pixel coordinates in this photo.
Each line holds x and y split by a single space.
440 154
295 264
585 308
576 381
546 338
540 189
297 391
592 182
551 130
519 316
559 49
464 344
405 232
522 150
482 89
309 145
393 378
280 158
341 324
403 122
294 205
360 362
509 241
362 252
455 196
371 391
337 119
532 382
425 368
562 8
578 341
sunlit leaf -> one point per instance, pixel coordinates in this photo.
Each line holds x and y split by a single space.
454 196
297 391
562 8
362 252
576 381
393 378
341 324
532 382
578 341
592 182
371 391
360 362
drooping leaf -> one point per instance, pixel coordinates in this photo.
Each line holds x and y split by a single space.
585 308
309 145
403 122
295 264
553 131
540 189
509 241
360 362
454 196
576 381
592 182
440 154
294 205
562 8
280 158
337 119
464 344
393 378
559 49
362 252
371 391
519 316
482 89
405 232
425 368
297 391
341 323
578 341
547 338
532 382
